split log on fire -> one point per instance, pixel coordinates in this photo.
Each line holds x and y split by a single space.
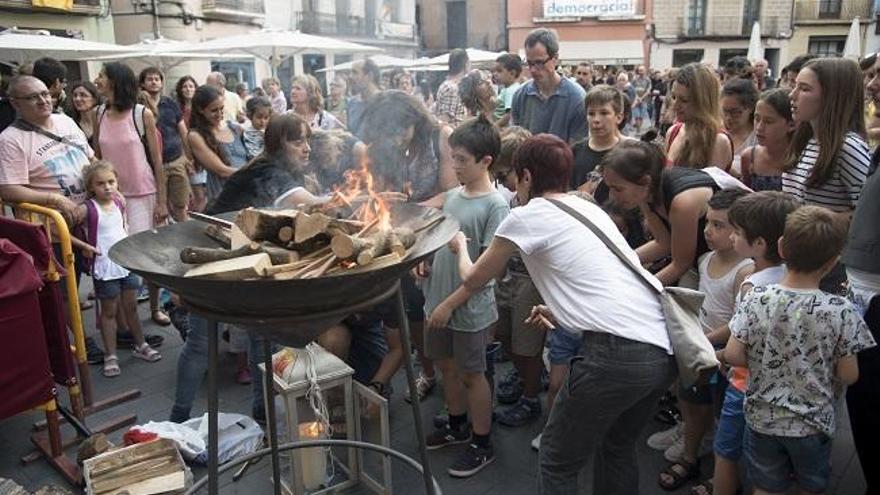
363 250
307 226
251 266
264 225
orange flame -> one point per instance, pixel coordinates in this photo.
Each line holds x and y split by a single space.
358 188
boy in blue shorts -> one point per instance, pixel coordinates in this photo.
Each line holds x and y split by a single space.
458 345
799 344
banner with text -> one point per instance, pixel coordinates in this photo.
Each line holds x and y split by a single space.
589 8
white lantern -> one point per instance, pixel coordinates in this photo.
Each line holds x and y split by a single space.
315 470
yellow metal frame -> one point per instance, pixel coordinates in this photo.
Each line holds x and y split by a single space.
48 218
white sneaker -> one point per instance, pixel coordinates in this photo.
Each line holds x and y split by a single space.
662 440
675 451
536 442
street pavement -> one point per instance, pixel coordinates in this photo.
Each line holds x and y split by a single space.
513 472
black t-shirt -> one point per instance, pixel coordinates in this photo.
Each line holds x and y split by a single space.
258 184
586 160
169 116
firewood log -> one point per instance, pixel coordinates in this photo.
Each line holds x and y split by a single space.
363 250
307 226
219 234
195 255
278 254
233 269
401 240
263 225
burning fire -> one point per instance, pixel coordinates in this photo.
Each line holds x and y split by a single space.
358 188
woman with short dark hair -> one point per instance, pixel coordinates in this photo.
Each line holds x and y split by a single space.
627 358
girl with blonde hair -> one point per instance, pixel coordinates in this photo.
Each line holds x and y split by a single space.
698 139
308 103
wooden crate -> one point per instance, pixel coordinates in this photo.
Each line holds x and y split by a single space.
141 469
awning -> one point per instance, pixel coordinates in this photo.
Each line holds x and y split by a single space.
621 52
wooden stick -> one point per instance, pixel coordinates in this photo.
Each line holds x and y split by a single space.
285 234
195 255
219 234
429 224
321 269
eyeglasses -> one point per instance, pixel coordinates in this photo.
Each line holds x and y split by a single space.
35 97
538 63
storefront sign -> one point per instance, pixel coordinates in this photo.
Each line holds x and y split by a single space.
589 8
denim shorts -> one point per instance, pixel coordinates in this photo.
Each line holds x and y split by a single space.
731 426
110 289
564 345
774 463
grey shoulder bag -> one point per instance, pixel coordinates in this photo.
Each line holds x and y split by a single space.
694 353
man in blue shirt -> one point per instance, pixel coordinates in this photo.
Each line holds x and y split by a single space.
549 102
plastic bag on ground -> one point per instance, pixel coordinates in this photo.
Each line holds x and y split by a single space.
239 435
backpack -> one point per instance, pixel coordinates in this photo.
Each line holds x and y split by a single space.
137 115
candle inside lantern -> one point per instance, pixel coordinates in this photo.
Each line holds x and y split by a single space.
314 459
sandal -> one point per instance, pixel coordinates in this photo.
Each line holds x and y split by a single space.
681 472
146 353
704 488
159 317
111 366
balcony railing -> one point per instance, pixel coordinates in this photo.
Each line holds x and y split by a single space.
728 26
331 24
247 9
843 10
85 7
349 25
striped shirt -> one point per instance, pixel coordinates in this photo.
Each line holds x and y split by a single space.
841 191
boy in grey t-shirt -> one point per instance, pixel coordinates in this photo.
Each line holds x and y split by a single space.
800 346
458 348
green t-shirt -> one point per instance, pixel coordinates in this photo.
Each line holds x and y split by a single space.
478 217
505 99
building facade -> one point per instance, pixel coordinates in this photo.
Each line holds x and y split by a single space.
448 24
193 20
88 20
713 31
604 32
821 26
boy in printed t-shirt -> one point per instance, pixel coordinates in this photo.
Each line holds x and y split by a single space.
800 346
458 350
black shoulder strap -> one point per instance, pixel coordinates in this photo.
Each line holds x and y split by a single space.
604 238
27 126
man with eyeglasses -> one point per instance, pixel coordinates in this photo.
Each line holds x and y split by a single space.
42 154
549 102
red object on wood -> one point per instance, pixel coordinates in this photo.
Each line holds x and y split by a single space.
25 375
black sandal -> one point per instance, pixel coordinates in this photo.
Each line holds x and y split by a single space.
686 471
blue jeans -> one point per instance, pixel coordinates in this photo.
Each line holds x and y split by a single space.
599 413
193 364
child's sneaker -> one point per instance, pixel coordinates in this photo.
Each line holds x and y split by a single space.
523 412
662 440
471 461
448 436
675 452
509 392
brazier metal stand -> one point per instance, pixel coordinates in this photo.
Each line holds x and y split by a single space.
328 318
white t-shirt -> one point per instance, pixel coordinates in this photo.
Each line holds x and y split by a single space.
32 159
583 283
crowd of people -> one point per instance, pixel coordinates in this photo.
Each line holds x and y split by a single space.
762 194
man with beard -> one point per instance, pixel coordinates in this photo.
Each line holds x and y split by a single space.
365 77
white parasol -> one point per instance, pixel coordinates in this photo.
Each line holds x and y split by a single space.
853 47
477 57
274 46
25 46
756 49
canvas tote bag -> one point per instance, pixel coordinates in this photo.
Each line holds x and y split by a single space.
694 354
